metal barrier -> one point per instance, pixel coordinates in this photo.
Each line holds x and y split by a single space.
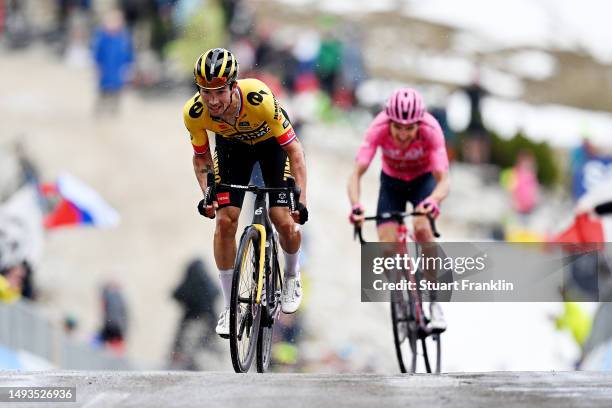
22 327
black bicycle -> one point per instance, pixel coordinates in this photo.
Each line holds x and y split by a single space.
407 315
257 283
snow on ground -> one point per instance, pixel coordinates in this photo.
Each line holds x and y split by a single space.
563 24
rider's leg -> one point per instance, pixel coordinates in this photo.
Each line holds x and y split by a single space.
275 168
424 235
225 248
387 232
391 197
423 186
289 236
233 163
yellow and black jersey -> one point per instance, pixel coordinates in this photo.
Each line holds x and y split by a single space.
260 118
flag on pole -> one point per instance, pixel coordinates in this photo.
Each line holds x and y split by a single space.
75 203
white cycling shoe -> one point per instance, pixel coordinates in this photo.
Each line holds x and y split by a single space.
436 324
292 294
223 324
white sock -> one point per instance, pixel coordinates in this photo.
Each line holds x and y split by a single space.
292 262
226 276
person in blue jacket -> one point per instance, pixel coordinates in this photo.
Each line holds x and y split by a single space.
113 55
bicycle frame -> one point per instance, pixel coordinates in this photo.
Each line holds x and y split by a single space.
261 220
414 318
416 311
264 284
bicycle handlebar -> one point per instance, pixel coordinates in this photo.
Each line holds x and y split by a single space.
293 191
399 217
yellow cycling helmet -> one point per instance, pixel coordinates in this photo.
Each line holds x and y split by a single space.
215 68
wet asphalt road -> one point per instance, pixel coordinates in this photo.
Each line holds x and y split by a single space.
187 389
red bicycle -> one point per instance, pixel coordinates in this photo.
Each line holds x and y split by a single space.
407 315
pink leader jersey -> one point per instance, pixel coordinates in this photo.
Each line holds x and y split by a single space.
427 153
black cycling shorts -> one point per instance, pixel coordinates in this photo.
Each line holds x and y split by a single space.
394 193
234 161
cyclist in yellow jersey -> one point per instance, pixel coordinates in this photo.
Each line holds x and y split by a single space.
250 126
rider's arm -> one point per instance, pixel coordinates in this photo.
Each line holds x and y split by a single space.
272 112
439 158
297 164
364 156
202 163
442 186
193 111
354 183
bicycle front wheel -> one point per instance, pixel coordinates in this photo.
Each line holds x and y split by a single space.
404 333
245 314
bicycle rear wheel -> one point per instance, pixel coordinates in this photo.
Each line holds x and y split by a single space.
245 314
266 327
404 333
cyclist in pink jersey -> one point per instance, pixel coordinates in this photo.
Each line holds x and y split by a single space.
414 169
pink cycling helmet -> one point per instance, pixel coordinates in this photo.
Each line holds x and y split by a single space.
405 106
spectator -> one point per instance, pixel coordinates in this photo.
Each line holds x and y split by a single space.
525 188
70 325
329 62
136 11
477 144
27 289
18 30
113 54
66 10
11 283
162 30
578 323
114 325
579 156
13 271
197 295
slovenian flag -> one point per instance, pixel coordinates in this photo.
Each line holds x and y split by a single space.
73 203
586 228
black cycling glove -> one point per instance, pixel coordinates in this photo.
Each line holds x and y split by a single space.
202 209
301 208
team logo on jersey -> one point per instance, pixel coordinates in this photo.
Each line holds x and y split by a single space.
287 170
286 124
276 109
196 110
256 98
254 134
